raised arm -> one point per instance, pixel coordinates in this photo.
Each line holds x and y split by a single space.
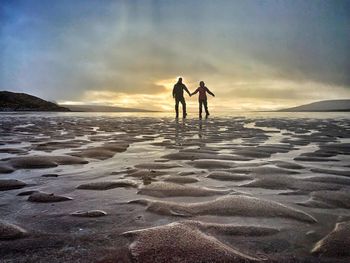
211 93
196 91
185 88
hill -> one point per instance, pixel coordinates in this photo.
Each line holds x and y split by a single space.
11 101
325 105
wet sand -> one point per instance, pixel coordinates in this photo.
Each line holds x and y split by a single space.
103 188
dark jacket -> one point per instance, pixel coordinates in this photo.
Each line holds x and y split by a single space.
178 90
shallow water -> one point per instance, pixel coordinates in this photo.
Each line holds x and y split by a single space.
274 154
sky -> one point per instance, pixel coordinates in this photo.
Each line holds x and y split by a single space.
253 54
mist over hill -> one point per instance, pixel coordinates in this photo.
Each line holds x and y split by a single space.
325 105
101 108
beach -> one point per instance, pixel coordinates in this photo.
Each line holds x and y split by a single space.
145 187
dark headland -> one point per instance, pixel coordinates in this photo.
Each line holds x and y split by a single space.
11 101
322 106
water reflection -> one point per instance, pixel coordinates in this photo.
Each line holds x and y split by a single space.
191 115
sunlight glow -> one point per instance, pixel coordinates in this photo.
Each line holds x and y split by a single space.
236 96
168 83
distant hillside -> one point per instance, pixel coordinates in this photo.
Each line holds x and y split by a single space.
99 108
11 101
325 105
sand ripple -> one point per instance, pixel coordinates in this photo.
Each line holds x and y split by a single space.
162 244
234 205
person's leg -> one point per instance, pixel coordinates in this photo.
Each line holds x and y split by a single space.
177 107
183 102
200 109
205 102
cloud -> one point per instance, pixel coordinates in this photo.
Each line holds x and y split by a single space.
281 51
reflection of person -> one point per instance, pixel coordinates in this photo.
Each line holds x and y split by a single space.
202 98
178 95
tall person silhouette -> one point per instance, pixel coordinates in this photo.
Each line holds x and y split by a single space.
202 98
178 95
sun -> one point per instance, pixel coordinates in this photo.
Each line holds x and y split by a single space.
168 83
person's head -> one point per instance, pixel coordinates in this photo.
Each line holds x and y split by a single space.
179 80
201 83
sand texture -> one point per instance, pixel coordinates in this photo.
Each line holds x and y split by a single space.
108 188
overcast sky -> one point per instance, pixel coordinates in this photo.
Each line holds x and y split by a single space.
251 54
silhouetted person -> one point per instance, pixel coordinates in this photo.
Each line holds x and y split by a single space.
178 94
202 98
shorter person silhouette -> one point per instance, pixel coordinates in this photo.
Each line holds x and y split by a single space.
202 98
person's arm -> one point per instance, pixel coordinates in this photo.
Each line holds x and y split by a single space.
196 91
174 92
185 88
211 93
